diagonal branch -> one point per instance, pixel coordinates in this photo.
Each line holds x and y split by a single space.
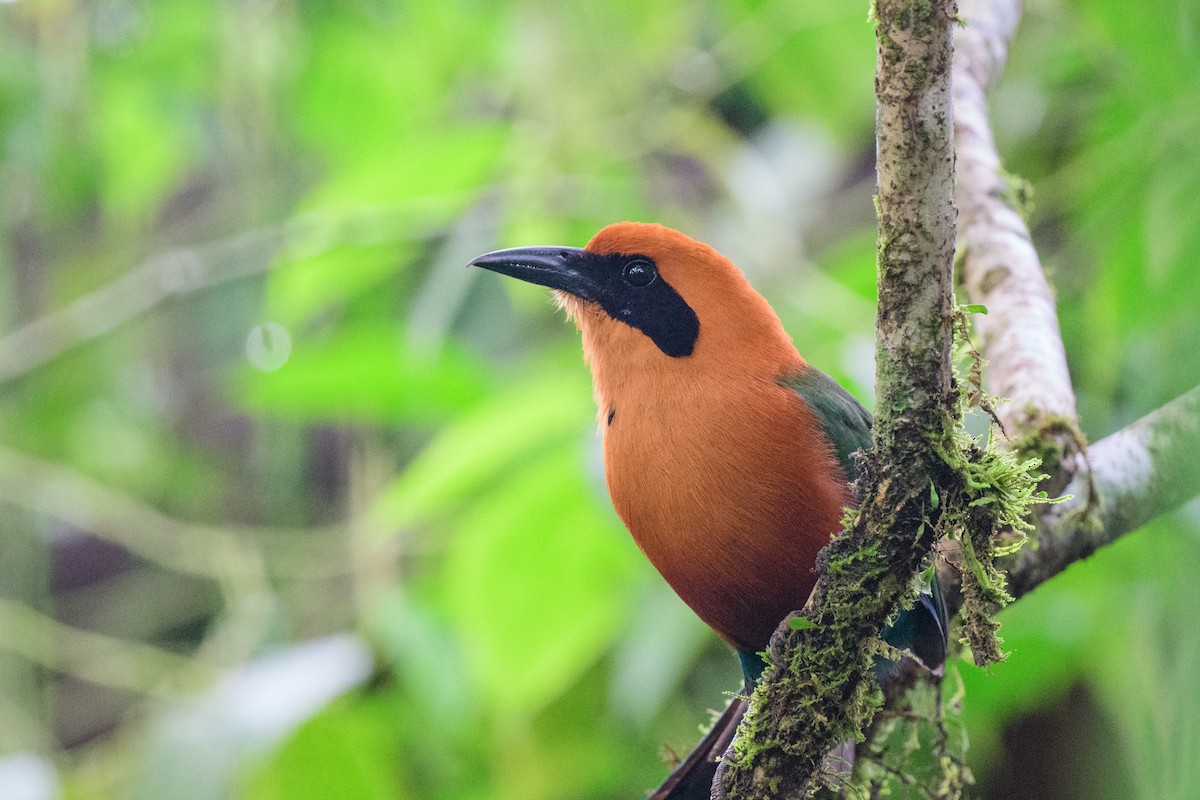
97 658
59 492
1140 472
187 270
167 275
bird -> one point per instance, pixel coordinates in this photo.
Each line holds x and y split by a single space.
728 457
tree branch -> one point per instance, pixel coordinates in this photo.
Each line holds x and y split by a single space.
1123 481
1136 474
1020 335
819 690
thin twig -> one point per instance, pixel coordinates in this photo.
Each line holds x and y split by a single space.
177 272
187 270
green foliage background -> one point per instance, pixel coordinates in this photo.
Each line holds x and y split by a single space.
296 506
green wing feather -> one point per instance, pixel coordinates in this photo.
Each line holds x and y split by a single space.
846 422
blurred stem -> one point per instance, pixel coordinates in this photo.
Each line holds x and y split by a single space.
375 573
24 567
61 493
187 270
249 606
97 658
177 272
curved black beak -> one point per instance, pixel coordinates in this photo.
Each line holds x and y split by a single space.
562 268
653 307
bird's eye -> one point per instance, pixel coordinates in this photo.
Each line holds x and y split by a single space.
640 273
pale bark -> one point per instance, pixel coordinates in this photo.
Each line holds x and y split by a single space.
1121 482
1001 270
1138 473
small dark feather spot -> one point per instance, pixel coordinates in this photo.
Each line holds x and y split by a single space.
612 412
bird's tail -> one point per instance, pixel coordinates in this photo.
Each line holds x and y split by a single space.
920 631
692 779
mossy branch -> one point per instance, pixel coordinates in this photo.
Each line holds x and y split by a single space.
925 479
819 690
1132 476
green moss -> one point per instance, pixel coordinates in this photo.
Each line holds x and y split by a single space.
917 73
916 15
829 694
986 515
907 752
1048 438
986 509
940 483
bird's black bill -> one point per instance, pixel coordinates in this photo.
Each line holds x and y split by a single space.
562 268
627 286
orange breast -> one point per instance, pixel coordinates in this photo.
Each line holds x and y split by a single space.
730 489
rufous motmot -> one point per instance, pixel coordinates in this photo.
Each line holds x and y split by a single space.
727 456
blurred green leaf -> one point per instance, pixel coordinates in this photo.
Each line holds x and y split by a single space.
428 658
372 375
142 143
347 751
536 415
536 580
306 285
1147 680
438 173
378 81
800 39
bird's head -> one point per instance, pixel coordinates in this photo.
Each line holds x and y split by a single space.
646 290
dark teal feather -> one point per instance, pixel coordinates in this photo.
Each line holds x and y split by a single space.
845 421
